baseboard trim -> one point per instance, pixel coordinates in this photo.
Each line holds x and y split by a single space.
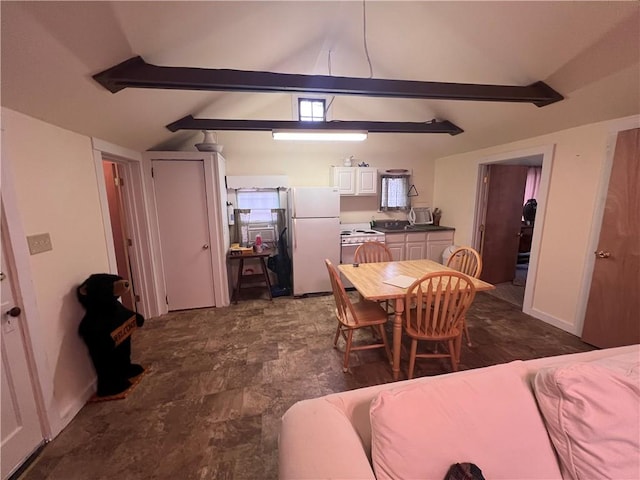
551 320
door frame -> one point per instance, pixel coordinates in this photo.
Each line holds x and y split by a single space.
514 158
143 267
614 127
218 219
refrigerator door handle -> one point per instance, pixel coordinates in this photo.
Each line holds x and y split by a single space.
293 202
295 234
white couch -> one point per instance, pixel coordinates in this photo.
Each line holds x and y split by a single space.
488 416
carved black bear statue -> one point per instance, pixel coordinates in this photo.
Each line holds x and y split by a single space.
106 328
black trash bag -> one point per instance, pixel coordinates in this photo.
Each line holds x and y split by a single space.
280 264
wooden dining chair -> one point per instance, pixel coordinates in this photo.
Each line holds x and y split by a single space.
352 316
435 306
374 252
468 261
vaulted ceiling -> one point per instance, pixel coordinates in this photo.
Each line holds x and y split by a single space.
587 51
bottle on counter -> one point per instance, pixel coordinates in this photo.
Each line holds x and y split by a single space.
258 247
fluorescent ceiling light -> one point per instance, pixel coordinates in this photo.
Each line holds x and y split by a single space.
321 135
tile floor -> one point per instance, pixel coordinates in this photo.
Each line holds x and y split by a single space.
221 379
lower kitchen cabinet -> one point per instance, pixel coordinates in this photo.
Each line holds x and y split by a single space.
415 246
419 245
437 242
396 244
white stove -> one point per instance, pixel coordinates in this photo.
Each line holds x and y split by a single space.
359 233
352 235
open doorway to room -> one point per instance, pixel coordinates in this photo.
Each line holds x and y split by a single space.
121 186
509 188
114 177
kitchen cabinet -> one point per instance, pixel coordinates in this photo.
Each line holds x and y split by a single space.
415 246
419 245
437 242
355 180
396 244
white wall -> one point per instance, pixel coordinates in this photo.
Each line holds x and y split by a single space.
308 164
579 171
56 193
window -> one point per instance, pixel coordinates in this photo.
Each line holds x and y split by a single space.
311 110
394 190
260 202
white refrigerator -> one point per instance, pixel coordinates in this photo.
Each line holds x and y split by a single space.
314 236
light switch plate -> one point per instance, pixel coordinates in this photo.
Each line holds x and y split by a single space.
39 243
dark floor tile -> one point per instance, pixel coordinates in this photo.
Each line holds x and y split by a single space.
220 380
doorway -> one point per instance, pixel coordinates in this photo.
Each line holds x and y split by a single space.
508 244
126 223
115 181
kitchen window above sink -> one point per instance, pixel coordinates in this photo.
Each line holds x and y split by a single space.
394 192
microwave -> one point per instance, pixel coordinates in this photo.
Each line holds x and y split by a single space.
420 216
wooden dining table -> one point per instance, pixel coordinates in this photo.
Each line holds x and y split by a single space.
368 279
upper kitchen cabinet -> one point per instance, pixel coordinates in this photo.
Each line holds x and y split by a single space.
355 180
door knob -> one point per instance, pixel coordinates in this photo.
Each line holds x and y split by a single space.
14 312
602 254
205 246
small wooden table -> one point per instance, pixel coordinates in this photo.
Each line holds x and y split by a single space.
368 279
264 276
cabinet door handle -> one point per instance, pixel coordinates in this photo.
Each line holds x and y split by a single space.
205 246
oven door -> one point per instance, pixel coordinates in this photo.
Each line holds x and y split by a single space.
347 255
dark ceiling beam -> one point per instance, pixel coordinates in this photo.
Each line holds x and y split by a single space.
137 73
190 123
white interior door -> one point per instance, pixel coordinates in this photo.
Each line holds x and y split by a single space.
183 222
21 432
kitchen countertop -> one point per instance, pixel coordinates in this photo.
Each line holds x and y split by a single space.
403 228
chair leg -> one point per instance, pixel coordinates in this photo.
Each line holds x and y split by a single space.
458 344
453 355
383 334
347 352
335 340
466 332
412 357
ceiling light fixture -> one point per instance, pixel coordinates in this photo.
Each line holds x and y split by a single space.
321 135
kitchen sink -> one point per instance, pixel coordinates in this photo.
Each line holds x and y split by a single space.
405 227
394 227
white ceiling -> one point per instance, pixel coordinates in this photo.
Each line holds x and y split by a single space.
587 51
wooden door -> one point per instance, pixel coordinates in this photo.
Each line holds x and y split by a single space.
21 433
612 318
114 182
503 218
183 222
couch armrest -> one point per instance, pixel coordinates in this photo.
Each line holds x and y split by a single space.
318 441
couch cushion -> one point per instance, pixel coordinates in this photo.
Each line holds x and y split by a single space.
318 441
490 419
593 416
